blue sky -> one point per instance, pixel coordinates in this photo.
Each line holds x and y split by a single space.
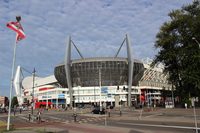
97 27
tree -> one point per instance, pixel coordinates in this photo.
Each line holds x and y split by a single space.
179 53
14 102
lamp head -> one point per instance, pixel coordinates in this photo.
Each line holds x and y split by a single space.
18 18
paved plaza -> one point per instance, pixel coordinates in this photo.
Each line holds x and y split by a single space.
131 121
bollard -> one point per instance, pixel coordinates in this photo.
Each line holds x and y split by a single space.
14 112
29 117
109 112
120 113
75 115
39 119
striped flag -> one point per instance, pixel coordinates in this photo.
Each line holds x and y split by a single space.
16 26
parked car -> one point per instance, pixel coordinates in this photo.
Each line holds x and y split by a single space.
96 110
24 108
110 107
3 110
81 106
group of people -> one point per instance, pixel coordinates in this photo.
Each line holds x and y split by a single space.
38 116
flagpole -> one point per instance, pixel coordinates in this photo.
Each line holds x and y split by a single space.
11 85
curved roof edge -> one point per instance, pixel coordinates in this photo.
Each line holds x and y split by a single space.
93 59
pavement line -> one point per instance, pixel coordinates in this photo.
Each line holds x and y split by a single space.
53 117
151 125
152 115
24 118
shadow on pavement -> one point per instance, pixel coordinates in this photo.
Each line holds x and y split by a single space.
133 131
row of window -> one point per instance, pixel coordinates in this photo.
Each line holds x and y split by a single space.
95 91
81 98
52 92
102 65
153 84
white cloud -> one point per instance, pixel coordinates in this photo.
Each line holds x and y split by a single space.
97 27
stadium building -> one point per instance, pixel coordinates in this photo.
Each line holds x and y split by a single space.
99 81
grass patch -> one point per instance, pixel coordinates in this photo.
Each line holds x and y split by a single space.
2 124
43 131
3 127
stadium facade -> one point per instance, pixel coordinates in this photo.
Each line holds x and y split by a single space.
101 81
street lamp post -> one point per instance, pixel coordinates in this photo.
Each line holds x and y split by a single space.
111 103
47 101
173 96
33 103
193 99
94 97
66 101
148 98
78 96
100 89
56 99
193 38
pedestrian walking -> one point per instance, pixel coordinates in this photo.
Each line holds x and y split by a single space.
185 105
39 116
109 111
29 116
20 110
